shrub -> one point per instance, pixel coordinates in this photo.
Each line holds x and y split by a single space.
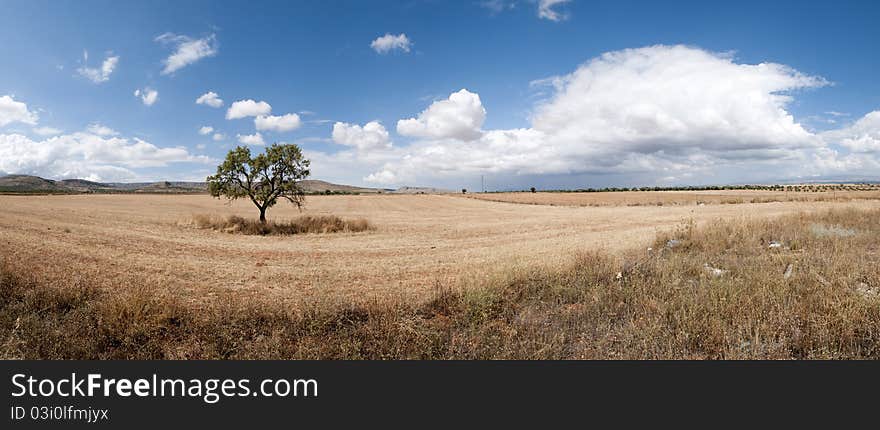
299 225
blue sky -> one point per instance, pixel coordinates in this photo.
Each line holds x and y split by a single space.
625 120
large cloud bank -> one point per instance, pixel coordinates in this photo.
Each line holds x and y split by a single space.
663 112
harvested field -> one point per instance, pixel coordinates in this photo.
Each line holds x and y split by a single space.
802 286
419 242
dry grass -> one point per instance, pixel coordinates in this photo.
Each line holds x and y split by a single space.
805 286
300 225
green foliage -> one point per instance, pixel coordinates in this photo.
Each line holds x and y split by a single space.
263 179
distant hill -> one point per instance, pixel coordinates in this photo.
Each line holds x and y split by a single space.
421 190
24 183
317 186
35 185
160 187
81 185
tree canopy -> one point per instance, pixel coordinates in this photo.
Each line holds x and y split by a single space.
276 173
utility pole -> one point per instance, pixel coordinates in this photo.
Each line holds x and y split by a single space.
482 184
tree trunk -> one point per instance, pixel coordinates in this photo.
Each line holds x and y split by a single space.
262 215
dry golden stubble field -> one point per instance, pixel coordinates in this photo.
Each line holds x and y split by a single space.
420 242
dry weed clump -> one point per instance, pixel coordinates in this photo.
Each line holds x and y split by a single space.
782 292
299 225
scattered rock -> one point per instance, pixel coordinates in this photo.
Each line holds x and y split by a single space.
672 243
714 272
619 276
788 271
774 244
822 230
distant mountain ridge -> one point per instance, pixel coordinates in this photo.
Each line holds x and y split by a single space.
36 185
28 184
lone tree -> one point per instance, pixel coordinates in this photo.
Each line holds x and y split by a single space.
264 178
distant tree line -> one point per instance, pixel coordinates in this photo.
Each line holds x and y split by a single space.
790 188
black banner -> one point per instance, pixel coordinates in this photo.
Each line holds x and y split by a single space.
416 394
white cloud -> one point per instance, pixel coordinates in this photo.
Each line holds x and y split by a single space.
382 177
147 95
281 123
252 139
210 99
390 42
372 135
863 136
246 108
101 130
498 6
458 117
47 131
86 155
546 10
675 98
659 111
206 130
98 75
187 50
218 137
14 111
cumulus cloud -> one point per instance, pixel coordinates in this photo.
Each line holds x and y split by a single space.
281 123
251 139
458 117
863 136
15 111
101 74
372 135
186 50
674 98
498 6
246 108
218 137
547 10
206 130
101 130
147 95
86 155
382 177
47 131
389 42
661 111
210 99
